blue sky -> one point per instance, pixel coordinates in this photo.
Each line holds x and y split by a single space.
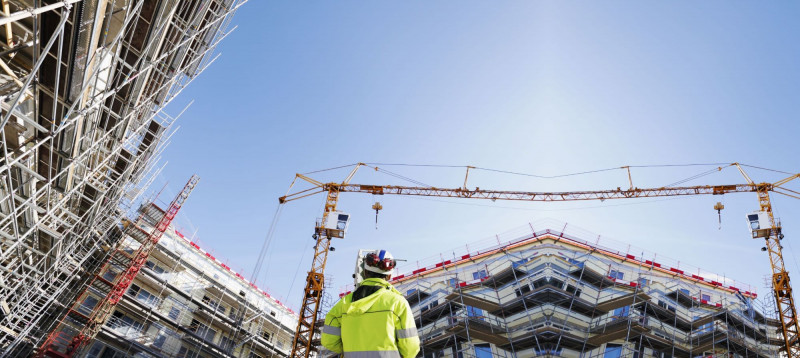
541 87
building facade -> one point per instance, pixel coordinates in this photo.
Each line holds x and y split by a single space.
187 303
548 294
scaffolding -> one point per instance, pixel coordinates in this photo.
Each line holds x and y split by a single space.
187 303
551 293
111 284
83 87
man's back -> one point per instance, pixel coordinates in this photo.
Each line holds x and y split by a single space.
374 321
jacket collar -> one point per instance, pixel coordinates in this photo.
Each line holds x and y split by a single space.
379 282
375 282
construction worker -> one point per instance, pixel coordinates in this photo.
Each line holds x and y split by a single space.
375 320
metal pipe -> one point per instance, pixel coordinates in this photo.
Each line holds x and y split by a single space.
17 48
35 69
11 73
24 14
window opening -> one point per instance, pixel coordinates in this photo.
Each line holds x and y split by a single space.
613 351
616 274
483 351
476 313
622 312
479 274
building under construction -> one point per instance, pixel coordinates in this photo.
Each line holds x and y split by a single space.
187 303
83 85
83 88
553 293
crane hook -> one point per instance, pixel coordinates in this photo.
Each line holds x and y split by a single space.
718 207
378 207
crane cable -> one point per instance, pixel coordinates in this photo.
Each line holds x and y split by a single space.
297 271
548 176
697 176
271 232
329 169
378 169
398 176
266 244
767 169
377 166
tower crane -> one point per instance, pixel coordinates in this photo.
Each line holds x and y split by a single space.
765 226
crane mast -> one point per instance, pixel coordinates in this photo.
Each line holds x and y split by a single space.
57 343
782 289
315 281
302 344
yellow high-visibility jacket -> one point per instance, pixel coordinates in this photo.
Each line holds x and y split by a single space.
380 325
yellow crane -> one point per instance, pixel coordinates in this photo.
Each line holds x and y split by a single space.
330 227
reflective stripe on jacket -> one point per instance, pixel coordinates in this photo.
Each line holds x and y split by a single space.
380 325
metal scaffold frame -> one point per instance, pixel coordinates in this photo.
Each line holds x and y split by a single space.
89 324
83 88
185 301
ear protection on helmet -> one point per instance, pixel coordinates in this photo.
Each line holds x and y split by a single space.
374 260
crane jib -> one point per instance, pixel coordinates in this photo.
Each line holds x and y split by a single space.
478 193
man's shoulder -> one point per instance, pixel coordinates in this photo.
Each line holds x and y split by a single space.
395 296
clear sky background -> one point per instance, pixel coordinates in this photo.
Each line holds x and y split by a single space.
540 87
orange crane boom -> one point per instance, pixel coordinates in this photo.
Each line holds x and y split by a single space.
302 344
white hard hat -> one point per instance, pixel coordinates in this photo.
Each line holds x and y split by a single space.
380 261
